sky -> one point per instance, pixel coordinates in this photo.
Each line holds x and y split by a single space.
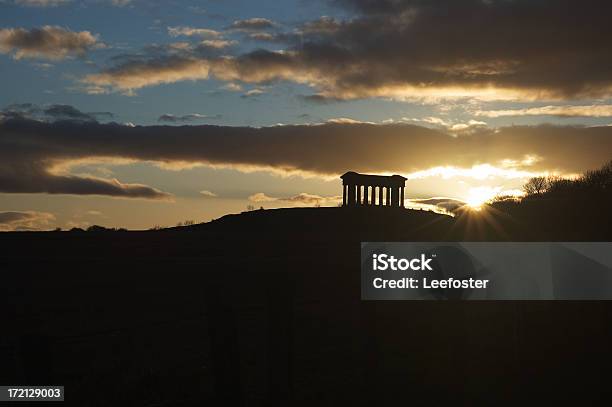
148 113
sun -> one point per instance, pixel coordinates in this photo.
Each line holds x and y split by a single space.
478 196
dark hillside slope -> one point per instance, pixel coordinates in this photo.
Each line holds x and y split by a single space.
263 308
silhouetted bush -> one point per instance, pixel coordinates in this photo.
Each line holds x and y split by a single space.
98 228
555 206
592 184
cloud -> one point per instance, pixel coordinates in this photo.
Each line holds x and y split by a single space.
451 125
232 87
170 118
37 156
193 32
491 50
560 111
318 99
48 42
158 64
41 172
218 44
253 93
41 3
261 197
208 194
345 120
253 24
447 206
263 36
50 113
312 200
71 113
138 74
299 199
25 220
323 25
469 125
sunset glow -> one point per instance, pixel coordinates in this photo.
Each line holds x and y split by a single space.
480 195
261 99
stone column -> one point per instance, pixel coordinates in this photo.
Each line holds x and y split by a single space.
402 197
380 196
348 195
358 194
366 194
373 196
388 197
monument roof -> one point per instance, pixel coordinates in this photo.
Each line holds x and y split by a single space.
370 178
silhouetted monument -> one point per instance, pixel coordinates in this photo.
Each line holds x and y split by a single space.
371 190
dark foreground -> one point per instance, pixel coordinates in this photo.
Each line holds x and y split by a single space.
263 309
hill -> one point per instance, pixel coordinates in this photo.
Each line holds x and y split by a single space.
263 308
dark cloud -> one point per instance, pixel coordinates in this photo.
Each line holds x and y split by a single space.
318 99
325 24
416 48
19 110
71 113
33 153
49 42
66 111
50 113
35 167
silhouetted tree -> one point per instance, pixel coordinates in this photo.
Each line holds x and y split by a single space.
536 186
